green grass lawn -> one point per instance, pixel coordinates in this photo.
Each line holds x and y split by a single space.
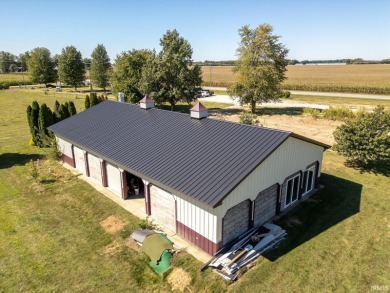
51 238
341 101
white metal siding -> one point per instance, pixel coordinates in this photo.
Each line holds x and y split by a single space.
114 182
79 159
197 219
95 170
293 155
64 147
163 207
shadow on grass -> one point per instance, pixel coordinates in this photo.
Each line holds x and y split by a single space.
291 111
8 160
48 181
337 201
372 167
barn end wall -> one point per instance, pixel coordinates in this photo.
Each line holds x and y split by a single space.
292 156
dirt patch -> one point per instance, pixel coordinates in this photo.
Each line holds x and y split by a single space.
317 129
113 224
179 280
113 248
129 242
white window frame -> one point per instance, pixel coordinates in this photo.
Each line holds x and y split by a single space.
305 184
293 188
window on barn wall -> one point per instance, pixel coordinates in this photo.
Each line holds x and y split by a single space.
292 190
308 180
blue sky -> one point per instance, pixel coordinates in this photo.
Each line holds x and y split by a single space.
324 29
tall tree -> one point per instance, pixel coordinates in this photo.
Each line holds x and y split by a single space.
127 73
87 102
6 61
71 67
261 66
72 108
100 66
45 119
41 66
172 76
23 60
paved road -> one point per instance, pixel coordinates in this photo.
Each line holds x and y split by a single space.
323 94
283 103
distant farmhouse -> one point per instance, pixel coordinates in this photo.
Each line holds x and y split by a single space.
207 180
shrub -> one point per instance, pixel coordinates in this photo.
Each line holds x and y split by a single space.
248 118
72 108
87 102
338 113
145 224
285 95
315 113
365 139
33 170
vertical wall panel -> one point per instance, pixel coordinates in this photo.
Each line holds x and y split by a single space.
114 179
95 170
79 159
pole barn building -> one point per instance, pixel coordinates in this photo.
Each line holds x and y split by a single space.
206 179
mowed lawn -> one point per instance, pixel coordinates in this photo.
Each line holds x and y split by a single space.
51 238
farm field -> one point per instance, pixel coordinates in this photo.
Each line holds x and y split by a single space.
14 77
370 78
51 238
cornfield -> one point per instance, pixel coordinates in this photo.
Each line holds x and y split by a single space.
367 78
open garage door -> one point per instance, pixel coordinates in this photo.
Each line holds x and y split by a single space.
114 179
236 221
163 207
79 159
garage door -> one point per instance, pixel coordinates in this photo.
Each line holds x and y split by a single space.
79 159
163 207
95 171
265 205
236 221
114 179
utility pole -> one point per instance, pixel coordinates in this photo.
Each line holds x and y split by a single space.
211 72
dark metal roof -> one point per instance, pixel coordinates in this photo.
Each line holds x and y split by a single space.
203 159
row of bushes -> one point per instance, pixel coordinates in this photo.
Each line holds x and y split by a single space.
333 113
5 84
39 118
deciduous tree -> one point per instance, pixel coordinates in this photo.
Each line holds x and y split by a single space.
127 73
171 76
41 66
100 66
6 60
23 60
71 67
261 66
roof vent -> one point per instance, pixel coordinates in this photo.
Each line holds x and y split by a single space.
121 97
199 111
146 103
